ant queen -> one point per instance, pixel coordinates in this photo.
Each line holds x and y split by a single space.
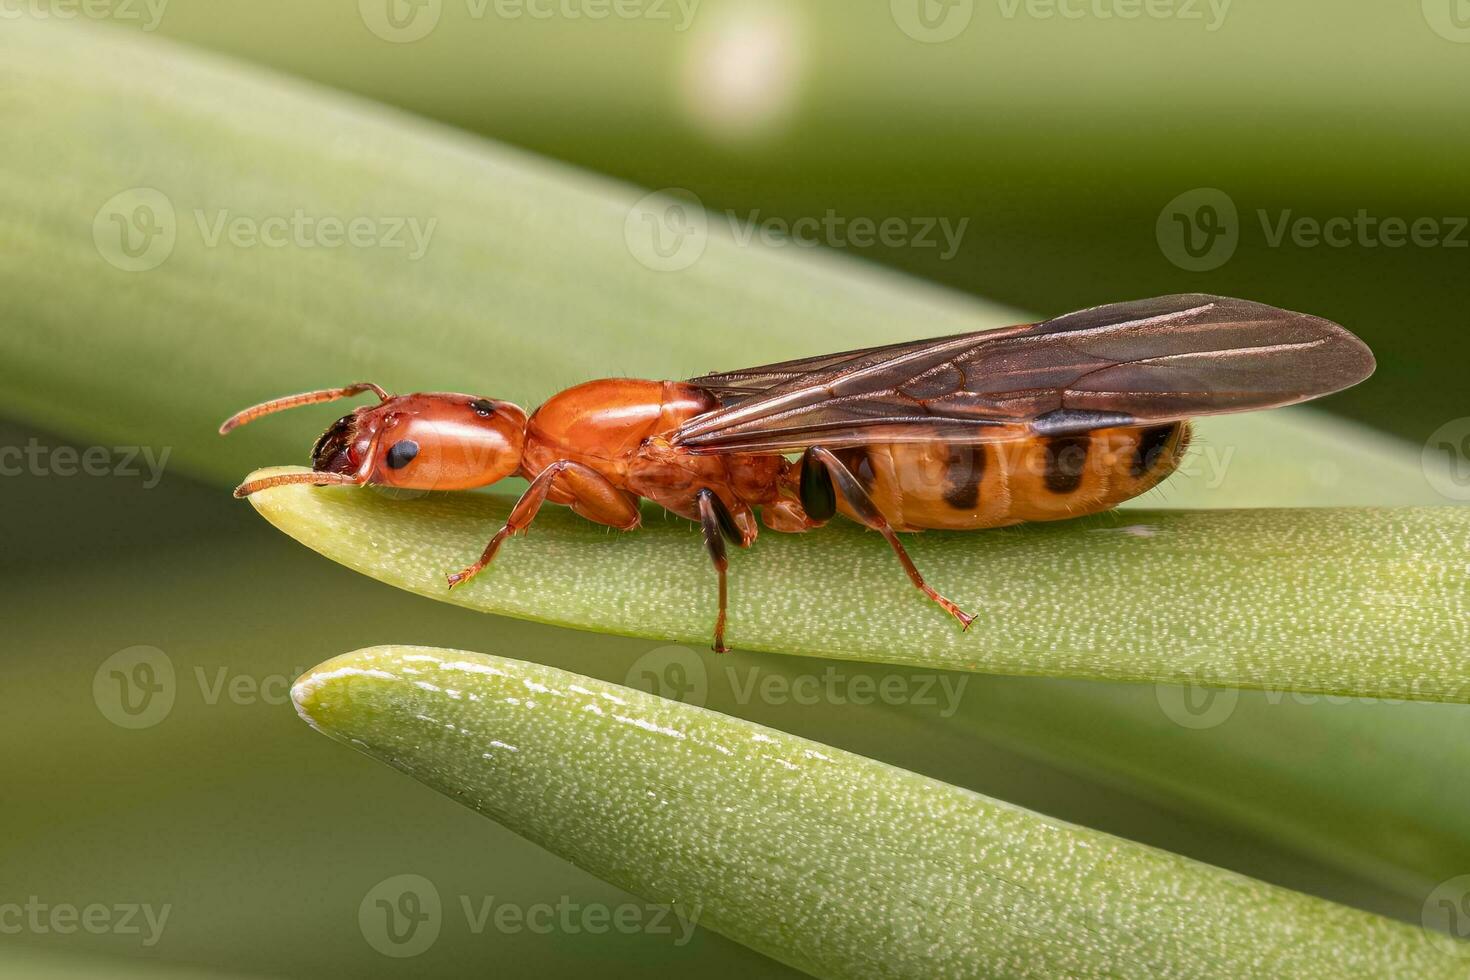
1038 422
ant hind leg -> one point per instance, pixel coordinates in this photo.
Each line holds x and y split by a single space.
867 511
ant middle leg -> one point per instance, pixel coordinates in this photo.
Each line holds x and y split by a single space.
834 472
717 523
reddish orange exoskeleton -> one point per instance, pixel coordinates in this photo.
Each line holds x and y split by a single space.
1038 422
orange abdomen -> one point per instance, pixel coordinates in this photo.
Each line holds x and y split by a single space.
962 487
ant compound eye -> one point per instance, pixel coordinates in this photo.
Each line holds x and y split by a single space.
401 453
483 407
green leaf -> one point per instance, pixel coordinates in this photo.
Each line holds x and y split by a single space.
1363 601
1358 784
827 861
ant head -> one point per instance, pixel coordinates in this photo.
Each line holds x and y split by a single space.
425 441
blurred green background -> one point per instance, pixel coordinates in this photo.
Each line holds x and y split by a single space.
1061 142
1059 138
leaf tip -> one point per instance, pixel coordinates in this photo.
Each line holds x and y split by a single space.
326 696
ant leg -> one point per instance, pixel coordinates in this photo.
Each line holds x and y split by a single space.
868 513
718 524
602 502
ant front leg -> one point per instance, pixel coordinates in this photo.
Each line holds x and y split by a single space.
868 513
594 495
718 524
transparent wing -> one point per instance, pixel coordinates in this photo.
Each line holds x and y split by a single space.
1141 362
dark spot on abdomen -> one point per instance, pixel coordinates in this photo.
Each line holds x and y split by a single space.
1066 459
1151 444
862 468
965 470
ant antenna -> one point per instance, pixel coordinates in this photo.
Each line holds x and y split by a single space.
292 401
315 478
